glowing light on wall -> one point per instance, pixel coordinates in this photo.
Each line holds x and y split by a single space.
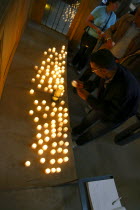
70 13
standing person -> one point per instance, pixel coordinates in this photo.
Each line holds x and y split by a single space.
101 18
117 100
123 40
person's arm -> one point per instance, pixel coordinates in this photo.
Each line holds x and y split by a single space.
111 31
90 23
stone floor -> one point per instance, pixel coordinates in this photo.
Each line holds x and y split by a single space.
28 189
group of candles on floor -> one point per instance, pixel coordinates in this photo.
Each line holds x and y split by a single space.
50 118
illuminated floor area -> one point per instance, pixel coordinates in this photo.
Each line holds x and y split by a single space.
29 187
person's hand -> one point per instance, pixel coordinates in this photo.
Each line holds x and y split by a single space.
109 43
80 84
99 32
83 94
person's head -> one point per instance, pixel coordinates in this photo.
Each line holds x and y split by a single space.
113 5
137 16
103 63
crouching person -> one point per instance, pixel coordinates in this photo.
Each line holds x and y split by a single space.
117 99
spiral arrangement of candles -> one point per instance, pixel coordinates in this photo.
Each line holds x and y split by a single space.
70 12
50 118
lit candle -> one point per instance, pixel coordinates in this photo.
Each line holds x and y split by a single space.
47 74
54 144
43 102
36 102
58 92
65 159
65 135
52 114
36 67
43 62
61 143
48 60
59 134
60 115
42 160
49 50
46 89
47 171
38 135
52 161
42 81
54 76
39 127
53 49
53 130
31 112
33 80
31 91
56 53
59 150
65 151
43 77
40 141
34 146
59 129
66 115
47 138
40 151
53 135
60 160
47 108
54 109
60 108
53 170
39 86
45 53
60 119
53 125
65 121
36 119
53 121
61 124
62 102
58 170
66 143
51 91
45 147
39 72
39 108
63 47
46 125
42 67
46 131
53 151
53 104
38 75
27 163
49 86
65 129
45 115
51 56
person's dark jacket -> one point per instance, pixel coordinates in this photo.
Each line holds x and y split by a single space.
119 100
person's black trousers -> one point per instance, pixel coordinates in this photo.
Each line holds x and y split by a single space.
86 46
